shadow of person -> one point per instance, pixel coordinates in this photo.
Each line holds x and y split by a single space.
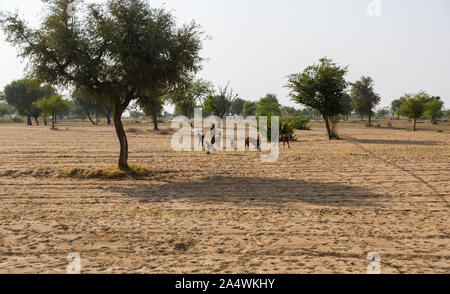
252 191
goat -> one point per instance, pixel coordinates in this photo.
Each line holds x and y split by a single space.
285 138
213 139
258 143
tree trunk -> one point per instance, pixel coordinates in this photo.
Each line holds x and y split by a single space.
155 123
97 120
53 121
415 123
327 124
29 122
370 119
108 118
89 116
37 121
121 135
45 120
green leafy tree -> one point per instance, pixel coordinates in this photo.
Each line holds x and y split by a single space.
446 113
83 100
187 97
237 107
322 87
22 94
395 106
153 108
434 110
268 106
364 98
249 108
53 106
288 111
383 112
414 106
119 50
98 105
76 111
347 106
5 109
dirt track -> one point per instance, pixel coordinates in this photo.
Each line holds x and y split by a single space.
320 209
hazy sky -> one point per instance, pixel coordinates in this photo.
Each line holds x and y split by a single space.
256 43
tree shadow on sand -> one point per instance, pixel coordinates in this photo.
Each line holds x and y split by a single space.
396 142
253 192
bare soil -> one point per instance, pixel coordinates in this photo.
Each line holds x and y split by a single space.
321 208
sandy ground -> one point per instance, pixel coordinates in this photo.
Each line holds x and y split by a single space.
320 209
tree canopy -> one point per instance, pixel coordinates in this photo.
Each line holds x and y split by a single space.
249 108
268 106
434 109
395 106
364 98
413 106
187 97
322 87
53 105
237 107
22 94
153 108
6 109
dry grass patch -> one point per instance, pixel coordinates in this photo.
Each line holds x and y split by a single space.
110 172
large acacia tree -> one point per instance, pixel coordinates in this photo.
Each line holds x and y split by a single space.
321 87
122 49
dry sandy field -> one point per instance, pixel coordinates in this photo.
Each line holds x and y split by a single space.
321 208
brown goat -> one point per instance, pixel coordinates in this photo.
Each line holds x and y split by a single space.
286 138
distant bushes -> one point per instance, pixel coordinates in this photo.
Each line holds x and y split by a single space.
7 119
288 125
297 122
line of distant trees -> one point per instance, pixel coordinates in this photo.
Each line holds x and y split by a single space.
323 87
34 101
122 54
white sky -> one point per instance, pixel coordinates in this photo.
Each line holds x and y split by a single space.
256 43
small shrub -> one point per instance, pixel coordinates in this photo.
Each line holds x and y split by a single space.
7 119
135 131
18 120
166 132
288 125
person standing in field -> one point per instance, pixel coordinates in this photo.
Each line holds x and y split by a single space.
209 145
